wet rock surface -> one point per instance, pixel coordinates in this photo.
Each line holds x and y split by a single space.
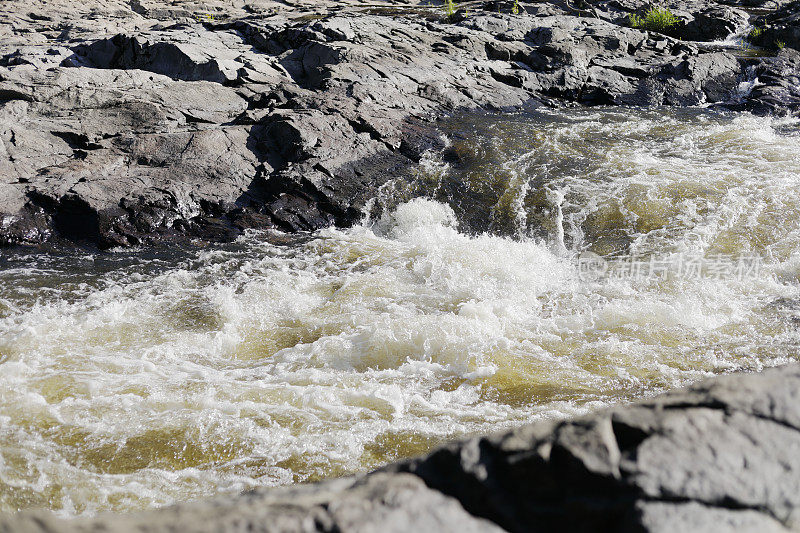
123 123
780 28
719 456
779 84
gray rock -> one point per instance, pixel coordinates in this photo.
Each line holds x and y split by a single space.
714 23
662 517
371 504
780 28
777 87
125 123
698 20
719 456
191 54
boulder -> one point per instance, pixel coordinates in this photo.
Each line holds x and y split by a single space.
718 456
780 28
776 85
715 23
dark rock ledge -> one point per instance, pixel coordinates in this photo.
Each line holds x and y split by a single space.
723 455
128 122
124 122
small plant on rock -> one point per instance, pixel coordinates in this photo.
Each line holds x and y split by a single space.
754 34
515 7
655 19
449 8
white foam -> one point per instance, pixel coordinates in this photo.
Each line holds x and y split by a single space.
255 364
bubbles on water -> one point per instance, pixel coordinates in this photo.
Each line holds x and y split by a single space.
133 380
415 216
622 181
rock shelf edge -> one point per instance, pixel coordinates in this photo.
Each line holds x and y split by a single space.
721 455
125 123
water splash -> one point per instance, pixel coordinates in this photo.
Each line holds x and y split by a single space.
136 379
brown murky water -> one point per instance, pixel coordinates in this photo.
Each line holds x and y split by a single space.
135 379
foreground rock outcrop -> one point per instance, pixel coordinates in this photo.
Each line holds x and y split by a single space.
123 123
719 456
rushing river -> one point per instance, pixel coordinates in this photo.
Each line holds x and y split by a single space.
135 379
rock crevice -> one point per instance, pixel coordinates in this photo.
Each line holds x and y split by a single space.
174 121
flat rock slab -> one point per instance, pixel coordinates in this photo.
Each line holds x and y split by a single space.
128 122
392 503
722 455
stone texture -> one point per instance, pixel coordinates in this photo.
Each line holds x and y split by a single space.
373 504
719 456
661 517
124 123
778 84
698 20
780 27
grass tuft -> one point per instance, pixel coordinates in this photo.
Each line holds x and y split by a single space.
754 34
655 19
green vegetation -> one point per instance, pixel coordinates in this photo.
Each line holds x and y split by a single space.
515 7
754 34
205 17
449 8
655 19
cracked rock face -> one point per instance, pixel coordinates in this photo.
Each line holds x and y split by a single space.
719 456
124 123
780 27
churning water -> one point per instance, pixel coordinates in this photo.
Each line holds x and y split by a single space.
136 379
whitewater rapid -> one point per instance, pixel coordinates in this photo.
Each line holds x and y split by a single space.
139 378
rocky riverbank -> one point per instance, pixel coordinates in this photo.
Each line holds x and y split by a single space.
719 456
124 123
138 122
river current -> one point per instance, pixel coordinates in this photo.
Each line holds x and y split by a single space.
541 265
